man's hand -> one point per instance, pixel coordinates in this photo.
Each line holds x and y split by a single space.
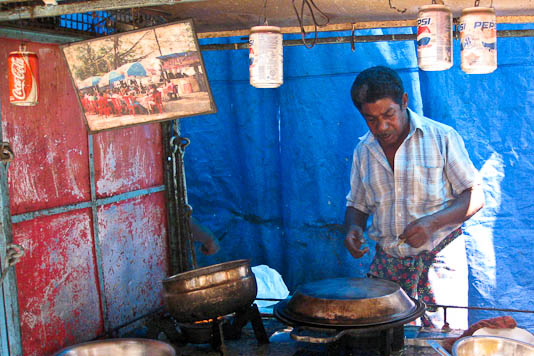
354 240
418 232
210 247
210 244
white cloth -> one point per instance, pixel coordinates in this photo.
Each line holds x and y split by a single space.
270 285
448 277
432 167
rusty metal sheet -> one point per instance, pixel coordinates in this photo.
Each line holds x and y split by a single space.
57 282
49 140
128 159
134 256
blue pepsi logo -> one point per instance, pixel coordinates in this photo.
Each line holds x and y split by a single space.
423 37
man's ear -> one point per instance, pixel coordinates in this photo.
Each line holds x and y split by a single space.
404 101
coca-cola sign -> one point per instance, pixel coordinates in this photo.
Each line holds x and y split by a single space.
18 71
23 78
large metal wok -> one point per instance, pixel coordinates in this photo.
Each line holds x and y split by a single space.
346 306
208 292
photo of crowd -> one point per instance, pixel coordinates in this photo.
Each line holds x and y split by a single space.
155 75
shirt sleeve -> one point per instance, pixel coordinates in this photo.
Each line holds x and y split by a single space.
460 171
356 196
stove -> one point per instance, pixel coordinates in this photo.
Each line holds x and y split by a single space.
216 331
378 339
314 341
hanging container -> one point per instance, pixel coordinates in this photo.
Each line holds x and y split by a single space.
478 40
266 59
23 77
434 37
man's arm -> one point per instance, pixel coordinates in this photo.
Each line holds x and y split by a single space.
418 232
355 222
209 242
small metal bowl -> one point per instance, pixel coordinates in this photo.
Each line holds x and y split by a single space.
491 346
119 347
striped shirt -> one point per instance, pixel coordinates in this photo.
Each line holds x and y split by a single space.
432 167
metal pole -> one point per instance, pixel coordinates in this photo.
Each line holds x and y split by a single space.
98 247
356 39
10 306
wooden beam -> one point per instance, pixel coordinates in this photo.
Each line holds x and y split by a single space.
26 12
8 1
309 29
41 36
357 26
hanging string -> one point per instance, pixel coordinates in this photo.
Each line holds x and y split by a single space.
402 11
265 23
300 17
22 43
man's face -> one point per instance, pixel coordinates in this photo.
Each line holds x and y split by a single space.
387 120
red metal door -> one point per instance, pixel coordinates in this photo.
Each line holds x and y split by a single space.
89 210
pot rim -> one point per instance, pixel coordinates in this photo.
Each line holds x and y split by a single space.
162 344
458 343
220 267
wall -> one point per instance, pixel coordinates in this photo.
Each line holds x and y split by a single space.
269 172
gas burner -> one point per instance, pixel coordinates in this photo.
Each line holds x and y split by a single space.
378 339
228 327
318 341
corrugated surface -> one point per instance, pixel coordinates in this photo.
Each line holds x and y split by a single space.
133 243
58 293
49 140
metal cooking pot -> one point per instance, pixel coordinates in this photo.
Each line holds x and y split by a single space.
208 292
119 347
349 302
491 346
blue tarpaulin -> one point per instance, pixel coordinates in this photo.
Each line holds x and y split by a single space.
268 174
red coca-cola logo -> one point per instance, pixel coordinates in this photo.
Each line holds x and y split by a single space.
18 71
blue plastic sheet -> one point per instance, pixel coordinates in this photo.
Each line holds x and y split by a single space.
268 173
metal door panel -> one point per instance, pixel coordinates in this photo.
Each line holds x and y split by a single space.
57 282
134 256
128 159
49 140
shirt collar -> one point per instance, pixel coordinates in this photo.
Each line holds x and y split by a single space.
415 123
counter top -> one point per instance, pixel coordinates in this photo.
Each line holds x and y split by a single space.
281 344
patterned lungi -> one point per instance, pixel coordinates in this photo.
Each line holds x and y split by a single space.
411 273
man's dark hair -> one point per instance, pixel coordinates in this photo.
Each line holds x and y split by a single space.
376 83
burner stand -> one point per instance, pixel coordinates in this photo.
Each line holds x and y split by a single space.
225 328
384 341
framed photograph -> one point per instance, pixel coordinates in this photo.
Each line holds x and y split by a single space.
144 76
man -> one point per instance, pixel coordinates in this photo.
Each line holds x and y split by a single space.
414 176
